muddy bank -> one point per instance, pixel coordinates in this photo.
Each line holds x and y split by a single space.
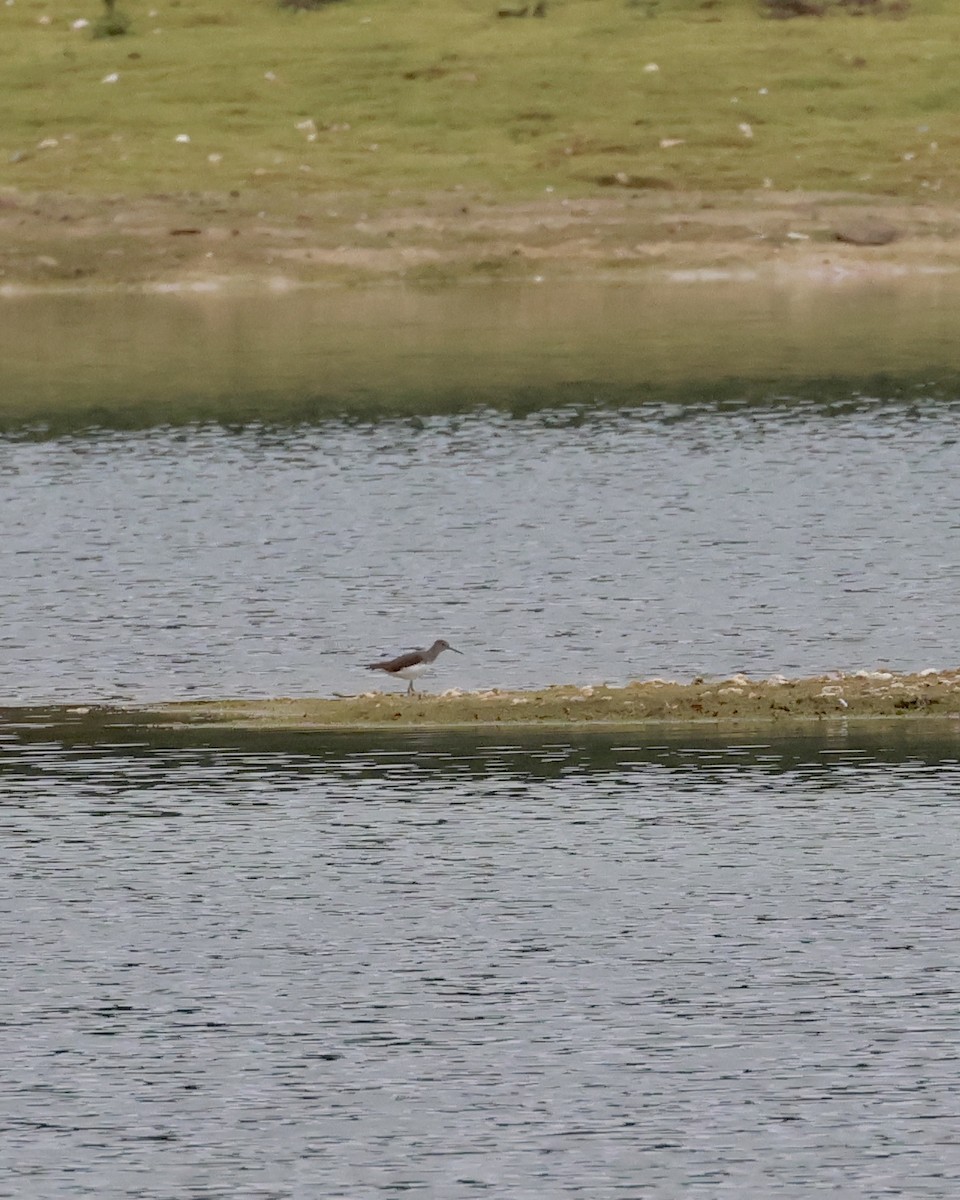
864 695
241 241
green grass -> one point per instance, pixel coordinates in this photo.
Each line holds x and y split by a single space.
415 96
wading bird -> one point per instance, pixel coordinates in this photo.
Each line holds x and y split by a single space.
411 666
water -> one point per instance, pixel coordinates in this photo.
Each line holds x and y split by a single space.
75 361
564 545
446 967
572 483
280 967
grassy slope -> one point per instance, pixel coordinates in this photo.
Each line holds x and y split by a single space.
502 107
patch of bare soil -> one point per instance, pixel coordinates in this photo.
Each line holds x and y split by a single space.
60 241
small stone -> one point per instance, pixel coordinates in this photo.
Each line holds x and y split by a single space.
866 232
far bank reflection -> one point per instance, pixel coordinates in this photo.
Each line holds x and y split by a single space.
71 362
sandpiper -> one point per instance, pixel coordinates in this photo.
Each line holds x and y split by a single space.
411 666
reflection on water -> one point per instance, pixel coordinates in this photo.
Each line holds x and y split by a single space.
71 362
567 545
331 967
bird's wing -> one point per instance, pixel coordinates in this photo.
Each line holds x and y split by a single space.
396 664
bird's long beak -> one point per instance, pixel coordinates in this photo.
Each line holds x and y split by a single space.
454 649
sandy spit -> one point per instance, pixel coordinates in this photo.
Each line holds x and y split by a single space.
860 696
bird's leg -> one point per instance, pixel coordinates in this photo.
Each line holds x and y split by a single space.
410 688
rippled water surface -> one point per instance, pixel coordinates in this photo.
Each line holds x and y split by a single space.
292 968
572 484
565 545
282 967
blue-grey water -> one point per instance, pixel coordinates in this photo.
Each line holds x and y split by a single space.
281 967
564 545
300 967
570 484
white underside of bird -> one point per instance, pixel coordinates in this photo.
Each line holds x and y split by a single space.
413 672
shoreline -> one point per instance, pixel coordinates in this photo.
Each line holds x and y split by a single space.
58 243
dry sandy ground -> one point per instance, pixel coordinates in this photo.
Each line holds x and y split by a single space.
58 241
